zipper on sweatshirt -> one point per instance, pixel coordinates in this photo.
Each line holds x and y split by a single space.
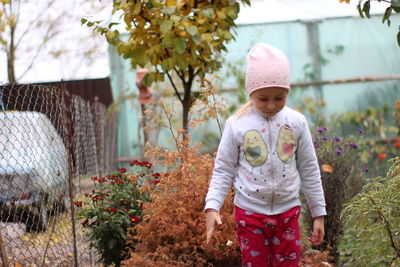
272 165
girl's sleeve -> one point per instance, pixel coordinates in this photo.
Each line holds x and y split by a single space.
224 169
307 165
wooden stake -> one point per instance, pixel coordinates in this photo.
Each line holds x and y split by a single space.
4 256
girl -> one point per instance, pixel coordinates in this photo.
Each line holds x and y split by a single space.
267 152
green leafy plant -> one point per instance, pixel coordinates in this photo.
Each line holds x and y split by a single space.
374 216
380 131
341 175
113 206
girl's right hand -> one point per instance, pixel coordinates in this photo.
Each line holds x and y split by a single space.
212 218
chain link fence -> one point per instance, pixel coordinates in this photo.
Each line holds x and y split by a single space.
50 143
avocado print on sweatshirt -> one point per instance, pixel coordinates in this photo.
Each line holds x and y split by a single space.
286 144
255 149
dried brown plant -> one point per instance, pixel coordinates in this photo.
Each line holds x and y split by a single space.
172 232
315 258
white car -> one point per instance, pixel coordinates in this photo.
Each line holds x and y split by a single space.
33 169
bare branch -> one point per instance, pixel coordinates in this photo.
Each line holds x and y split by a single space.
179 74
216 115
174 86
48 36
170 126
197 72
34 23
18 11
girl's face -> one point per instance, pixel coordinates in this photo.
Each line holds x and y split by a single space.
269 101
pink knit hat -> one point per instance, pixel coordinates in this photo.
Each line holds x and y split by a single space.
267 66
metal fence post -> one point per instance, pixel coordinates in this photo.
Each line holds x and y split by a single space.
70 175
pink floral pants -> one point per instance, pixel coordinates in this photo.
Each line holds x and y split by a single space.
269 240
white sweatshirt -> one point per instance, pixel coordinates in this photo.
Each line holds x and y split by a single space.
268 160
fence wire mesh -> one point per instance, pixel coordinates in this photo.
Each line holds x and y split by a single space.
50 143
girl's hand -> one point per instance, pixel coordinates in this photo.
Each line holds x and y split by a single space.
317 236
212 218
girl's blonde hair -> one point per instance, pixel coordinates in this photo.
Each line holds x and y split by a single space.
243 110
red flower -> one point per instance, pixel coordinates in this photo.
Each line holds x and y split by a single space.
126 202
85 222
135 162
155 182
156 174
397 143
134 219
100 180
98 197
141 163
382 156
146 164
112 210
119 182
78 203
122 169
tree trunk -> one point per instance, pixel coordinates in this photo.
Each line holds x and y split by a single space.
187 103
187 100
11 57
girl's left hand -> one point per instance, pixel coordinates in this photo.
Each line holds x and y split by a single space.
318 233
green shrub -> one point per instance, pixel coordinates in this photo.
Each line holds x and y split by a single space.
374 216
114 206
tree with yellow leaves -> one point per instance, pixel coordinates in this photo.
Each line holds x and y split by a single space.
184 38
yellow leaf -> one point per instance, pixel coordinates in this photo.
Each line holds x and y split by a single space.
17 264
327 168
206 37
128 18
171 3
137 8
346 1
121 49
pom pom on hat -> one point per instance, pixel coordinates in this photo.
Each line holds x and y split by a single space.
267 66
